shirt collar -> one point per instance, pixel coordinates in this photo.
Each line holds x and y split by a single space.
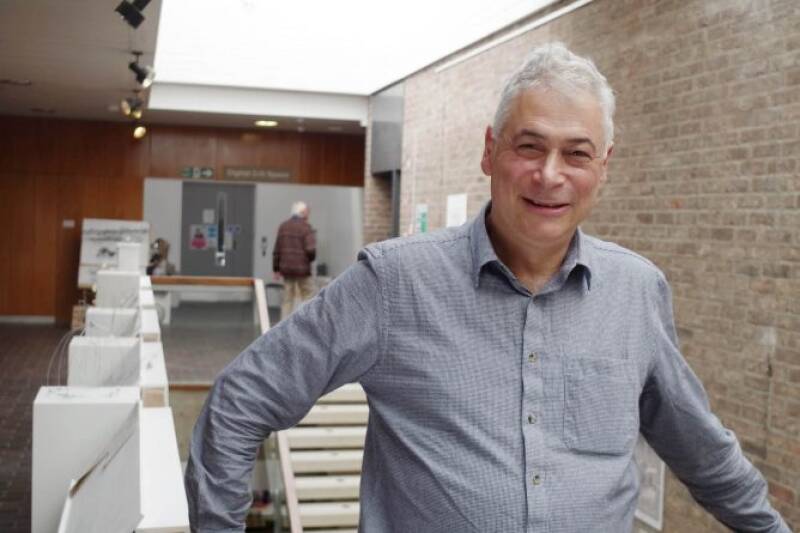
578 253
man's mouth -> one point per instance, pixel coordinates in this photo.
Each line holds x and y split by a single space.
545 204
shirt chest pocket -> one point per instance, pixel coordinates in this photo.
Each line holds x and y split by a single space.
601 406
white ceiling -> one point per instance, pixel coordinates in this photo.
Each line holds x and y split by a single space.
75 53
309 64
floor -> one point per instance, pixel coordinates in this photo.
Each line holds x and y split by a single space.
198 344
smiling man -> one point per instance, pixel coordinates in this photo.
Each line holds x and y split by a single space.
547 156
510 364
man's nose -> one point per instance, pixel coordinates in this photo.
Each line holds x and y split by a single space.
550 172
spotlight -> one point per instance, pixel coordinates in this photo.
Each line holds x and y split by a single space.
266 123
131 12
144 75
132 107
139 132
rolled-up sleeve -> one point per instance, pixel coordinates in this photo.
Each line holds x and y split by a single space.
331 340
677 422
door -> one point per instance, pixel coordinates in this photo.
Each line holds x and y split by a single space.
217 229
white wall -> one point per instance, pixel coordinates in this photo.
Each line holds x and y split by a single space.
162 209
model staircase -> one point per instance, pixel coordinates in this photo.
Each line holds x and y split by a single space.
321 464
315 484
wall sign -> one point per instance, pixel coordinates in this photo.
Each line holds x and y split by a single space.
197 172
421 219
99 238
257 174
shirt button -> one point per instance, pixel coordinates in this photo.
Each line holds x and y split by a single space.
532 357
537 480
531 419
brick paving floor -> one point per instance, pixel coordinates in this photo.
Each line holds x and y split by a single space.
24 355
197 345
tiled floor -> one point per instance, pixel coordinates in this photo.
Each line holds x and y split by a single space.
200 341
202 338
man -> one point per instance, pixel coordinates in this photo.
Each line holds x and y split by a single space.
510 364
295 249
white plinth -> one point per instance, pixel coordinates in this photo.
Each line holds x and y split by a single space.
71 425
128 256
148 325
111 322
146 298
104 362
106 496
164 506
117 288
154 383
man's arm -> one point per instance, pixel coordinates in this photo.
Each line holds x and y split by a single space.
276 254
310 244
332 340
677 422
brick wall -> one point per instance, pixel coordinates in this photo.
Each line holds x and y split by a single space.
705 181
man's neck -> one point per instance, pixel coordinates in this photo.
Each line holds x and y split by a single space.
531 263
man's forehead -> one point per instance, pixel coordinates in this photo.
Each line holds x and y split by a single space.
577 136
546 112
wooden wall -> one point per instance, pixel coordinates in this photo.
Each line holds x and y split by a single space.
53 171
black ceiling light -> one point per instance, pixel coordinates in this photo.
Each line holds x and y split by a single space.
131 12
144 75
132 107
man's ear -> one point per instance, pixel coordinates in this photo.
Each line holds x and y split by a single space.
604 175
488 147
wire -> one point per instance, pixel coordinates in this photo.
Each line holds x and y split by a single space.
58 350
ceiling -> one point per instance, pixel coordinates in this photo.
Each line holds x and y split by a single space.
75 55
308 64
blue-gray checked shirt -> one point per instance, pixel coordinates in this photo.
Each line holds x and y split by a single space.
491 409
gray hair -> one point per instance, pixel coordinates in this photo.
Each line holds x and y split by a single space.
298 208
553 66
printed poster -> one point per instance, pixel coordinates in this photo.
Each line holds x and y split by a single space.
421 219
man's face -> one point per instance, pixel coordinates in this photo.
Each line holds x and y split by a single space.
546 167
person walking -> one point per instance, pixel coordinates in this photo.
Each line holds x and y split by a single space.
295 249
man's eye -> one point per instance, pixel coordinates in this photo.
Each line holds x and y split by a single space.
531 148
580 154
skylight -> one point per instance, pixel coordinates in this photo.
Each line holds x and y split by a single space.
342 46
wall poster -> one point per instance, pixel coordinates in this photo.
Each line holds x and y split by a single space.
650 508
421 219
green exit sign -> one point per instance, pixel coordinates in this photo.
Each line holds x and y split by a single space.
197 172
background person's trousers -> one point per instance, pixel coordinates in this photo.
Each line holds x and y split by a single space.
295 292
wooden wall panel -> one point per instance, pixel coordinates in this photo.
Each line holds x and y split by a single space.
70 207
172 148
44 267
18 242
19 230
57 170
311 169
262 149
332 160
7 195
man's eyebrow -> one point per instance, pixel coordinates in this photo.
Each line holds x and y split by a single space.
574 140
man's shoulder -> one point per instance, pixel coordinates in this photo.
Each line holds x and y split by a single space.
610 256
419 246
295 224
